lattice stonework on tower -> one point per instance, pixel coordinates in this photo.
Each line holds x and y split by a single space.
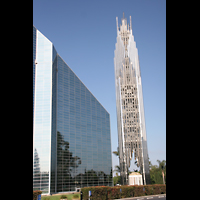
129 102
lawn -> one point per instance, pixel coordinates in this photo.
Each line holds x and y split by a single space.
57 197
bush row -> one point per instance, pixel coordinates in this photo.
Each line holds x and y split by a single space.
36 193
117 192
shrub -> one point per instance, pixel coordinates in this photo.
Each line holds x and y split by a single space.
98 192
113 193
131 191
76 196
63 196
36 193
117 192
127 191
148 189
156 189
139 191
163 189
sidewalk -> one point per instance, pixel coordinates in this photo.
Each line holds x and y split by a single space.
142 197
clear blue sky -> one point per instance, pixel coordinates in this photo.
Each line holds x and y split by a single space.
84 35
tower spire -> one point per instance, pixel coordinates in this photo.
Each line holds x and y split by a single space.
130 23
123 15
117 23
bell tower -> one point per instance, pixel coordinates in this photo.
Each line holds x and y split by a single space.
129 102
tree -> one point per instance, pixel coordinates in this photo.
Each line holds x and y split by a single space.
162 166
117 180
116 153
156 173
66 164
117 167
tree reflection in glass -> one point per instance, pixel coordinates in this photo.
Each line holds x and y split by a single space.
66 165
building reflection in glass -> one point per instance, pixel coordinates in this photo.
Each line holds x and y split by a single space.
41 178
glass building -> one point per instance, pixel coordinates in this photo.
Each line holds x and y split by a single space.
129 102
71 129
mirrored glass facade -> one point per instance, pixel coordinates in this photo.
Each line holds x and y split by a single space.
71 132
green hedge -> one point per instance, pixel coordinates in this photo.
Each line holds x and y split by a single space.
109 193
36 193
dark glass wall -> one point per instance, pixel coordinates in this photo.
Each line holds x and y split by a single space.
54 117
83 135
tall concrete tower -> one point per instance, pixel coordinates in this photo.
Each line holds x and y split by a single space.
129 102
